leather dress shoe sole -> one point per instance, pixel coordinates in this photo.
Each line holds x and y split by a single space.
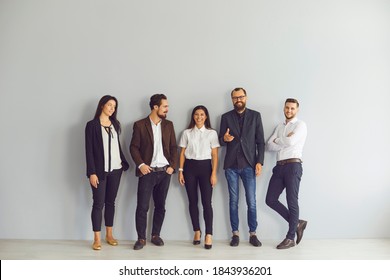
286 243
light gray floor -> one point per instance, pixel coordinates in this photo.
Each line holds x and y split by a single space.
329 249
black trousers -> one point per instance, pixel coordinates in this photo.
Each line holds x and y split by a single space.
197 173
287 177
156 184
104 197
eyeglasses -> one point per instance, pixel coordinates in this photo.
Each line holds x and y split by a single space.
235 98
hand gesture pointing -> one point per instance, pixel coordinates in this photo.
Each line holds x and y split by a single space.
227 137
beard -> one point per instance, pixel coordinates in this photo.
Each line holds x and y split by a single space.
239 106
289 117
162 116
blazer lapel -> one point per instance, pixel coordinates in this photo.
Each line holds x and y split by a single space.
163 135
149 129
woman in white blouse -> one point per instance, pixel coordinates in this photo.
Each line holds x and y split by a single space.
198 168
105 163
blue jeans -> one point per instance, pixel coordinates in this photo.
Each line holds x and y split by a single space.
248 178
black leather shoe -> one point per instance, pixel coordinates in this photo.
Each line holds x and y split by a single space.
300 228
286 243
139 244
156 240
254 241
235 241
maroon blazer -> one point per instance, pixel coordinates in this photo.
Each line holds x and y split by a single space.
141 146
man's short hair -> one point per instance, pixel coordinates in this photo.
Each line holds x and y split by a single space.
156 100
237 89
292 100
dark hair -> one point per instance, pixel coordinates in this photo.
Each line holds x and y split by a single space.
113 118
292 100
237 89
156 100
206 122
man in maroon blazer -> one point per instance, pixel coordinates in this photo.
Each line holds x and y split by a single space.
154 151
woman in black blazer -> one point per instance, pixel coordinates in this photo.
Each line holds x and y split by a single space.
105 163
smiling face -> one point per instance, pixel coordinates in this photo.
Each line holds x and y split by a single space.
239 100
199 118
109 108
290 110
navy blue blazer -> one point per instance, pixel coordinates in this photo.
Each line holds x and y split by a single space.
95 151
251 140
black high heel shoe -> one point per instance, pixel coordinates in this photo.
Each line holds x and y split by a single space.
207 246
197 242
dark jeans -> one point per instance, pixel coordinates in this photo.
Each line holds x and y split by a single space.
104 197
287 177
198 173
156 184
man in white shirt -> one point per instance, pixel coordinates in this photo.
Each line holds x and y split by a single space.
288 140
154 151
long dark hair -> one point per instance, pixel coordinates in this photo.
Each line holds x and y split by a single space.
113 119
206 122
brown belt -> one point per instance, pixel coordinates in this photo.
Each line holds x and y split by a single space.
290 160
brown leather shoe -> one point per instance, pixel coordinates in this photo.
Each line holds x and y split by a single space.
286 243
139 244
300 228
254 241
156 240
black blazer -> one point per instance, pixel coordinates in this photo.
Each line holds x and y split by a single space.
251 140
95 151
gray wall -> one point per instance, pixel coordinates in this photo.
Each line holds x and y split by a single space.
57 58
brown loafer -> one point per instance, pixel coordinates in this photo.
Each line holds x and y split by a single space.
300 228
286 243
139 244
157 240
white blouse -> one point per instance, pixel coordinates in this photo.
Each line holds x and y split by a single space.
111 139
199 142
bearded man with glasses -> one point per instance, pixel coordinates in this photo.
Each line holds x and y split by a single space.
241 131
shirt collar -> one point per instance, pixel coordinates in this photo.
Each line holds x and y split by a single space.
153 124
294 120
202 129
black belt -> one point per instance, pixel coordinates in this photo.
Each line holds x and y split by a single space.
290 160
159 169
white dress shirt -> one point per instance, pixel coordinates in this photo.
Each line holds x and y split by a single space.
288 146
199 142
158 159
